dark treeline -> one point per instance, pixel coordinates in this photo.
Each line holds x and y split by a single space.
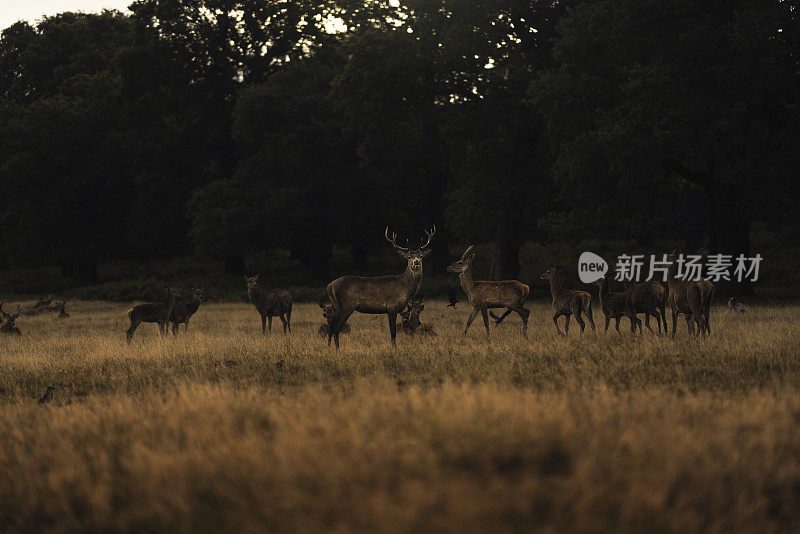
224 128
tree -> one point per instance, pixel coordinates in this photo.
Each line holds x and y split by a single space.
652 99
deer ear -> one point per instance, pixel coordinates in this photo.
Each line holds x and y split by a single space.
424 253
402 253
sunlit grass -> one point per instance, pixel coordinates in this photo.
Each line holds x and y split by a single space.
223 428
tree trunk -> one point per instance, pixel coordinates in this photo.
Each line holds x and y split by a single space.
505 260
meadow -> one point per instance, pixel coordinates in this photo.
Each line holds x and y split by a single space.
223 429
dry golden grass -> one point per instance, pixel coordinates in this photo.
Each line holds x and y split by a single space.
223 429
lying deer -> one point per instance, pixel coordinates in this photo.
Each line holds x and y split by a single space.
158 313
270 304
8 327
327 313
184 309
486 295
614 306
43 302
411 324
378 294
568 302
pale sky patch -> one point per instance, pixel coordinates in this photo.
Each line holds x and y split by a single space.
32 10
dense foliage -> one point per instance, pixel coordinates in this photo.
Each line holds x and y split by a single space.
225 128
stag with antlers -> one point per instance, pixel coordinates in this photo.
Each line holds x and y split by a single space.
486 295
378 294
8 327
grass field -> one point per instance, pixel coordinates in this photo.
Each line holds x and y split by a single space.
223 429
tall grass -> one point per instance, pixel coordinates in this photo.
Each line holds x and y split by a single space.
223 429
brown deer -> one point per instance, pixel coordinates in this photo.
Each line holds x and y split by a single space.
158 313
684 297
60 308
378 294
706 296
327 313
270 304
568 302
614 306
486 295
649 298
43 302
184 309
9 327
411 324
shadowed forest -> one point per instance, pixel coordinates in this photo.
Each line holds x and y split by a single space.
235 134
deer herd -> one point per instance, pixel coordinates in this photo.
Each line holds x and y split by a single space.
395 295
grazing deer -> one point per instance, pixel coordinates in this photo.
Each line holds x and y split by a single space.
649 298
43 302
411 324
615 306
8 327
735 306
327 313
158 313
184 309
486 295
568 302
378 294
684 297
270 304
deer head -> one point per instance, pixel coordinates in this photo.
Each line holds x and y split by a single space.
327 310
251 281
414 257
551 272
199 293
464 263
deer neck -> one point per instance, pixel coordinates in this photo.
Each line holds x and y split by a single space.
413 280
465 277
253 294
555 285
171 299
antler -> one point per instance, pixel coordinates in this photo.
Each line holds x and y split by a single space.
466 252
393 241
430 236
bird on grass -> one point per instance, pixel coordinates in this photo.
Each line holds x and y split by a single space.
48 395
735 306
452 296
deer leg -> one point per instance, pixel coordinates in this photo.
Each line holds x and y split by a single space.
131 330
498 320
174 329
581 322
689 324
263 324
333 330
647 323
269 319
589 316
555 322
616 325
608 320
283 320
471 318
392 325
523 314
485 314
566 324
